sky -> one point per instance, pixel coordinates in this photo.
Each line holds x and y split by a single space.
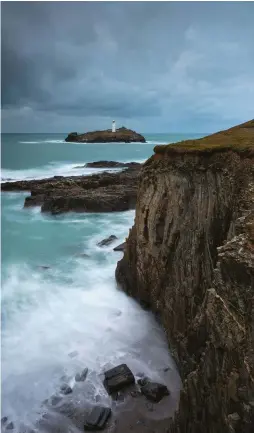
151 66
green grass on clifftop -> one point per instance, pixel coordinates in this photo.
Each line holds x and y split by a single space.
239 139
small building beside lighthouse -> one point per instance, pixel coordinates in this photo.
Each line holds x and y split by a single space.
113 126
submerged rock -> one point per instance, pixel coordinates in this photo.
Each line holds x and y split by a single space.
4 420
66 389
107 136
107 241
154 391
73 354
80 377
118 378
97 418
55 399
143 381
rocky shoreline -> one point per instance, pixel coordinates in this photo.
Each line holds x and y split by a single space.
121 135
103 192
134 403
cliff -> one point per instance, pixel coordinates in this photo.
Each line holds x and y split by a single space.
121 135
190 258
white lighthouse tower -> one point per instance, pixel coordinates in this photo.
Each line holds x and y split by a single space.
113 126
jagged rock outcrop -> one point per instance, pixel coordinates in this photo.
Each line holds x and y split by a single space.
190 257
109 164
107 136
104 192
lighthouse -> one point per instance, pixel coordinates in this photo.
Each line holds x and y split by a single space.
113 126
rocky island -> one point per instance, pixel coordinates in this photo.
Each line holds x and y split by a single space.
190 258
121 135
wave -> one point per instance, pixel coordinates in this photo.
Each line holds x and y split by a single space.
72 307
42 141
47 171
56 169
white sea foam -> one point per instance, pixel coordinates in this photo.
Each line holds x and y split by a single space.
47 171
42 141
55 169
73 307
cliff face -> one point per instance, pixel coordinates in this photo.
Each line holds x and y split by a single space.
190 257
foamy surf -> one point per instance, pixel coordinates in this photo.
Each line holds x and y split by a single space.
61 309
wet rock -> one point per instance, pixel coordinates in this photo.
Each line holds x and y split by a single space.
118 378
4 420
120 247
111 164
65 389
73 354
80 377
118 396
107 241
55 399
102 192
149 407
97 418
154 391
43 267
83 255
135 393
10 426
143 381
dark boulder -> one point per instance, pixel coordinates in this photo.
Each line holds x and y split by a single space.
10 426
80 377
65 389
97 418
107 241
154 391
4 420
118 378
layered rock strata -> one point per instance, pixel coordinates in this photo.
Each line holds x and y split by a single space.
190 257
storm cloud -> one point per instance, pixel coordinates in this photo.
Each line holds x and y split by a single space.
152 66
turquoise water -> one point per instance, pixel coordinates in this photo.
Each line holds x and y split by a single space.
73 307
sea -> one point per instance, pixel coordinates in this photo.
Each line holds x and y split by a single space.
61 308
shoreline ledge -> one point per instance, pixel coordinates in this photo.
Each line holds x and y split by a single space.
121 135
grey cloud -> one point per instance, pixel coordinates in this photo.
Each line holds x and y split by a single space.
162 65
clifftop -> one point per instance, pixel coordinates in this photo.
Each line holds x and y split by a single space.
107 136
240 139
